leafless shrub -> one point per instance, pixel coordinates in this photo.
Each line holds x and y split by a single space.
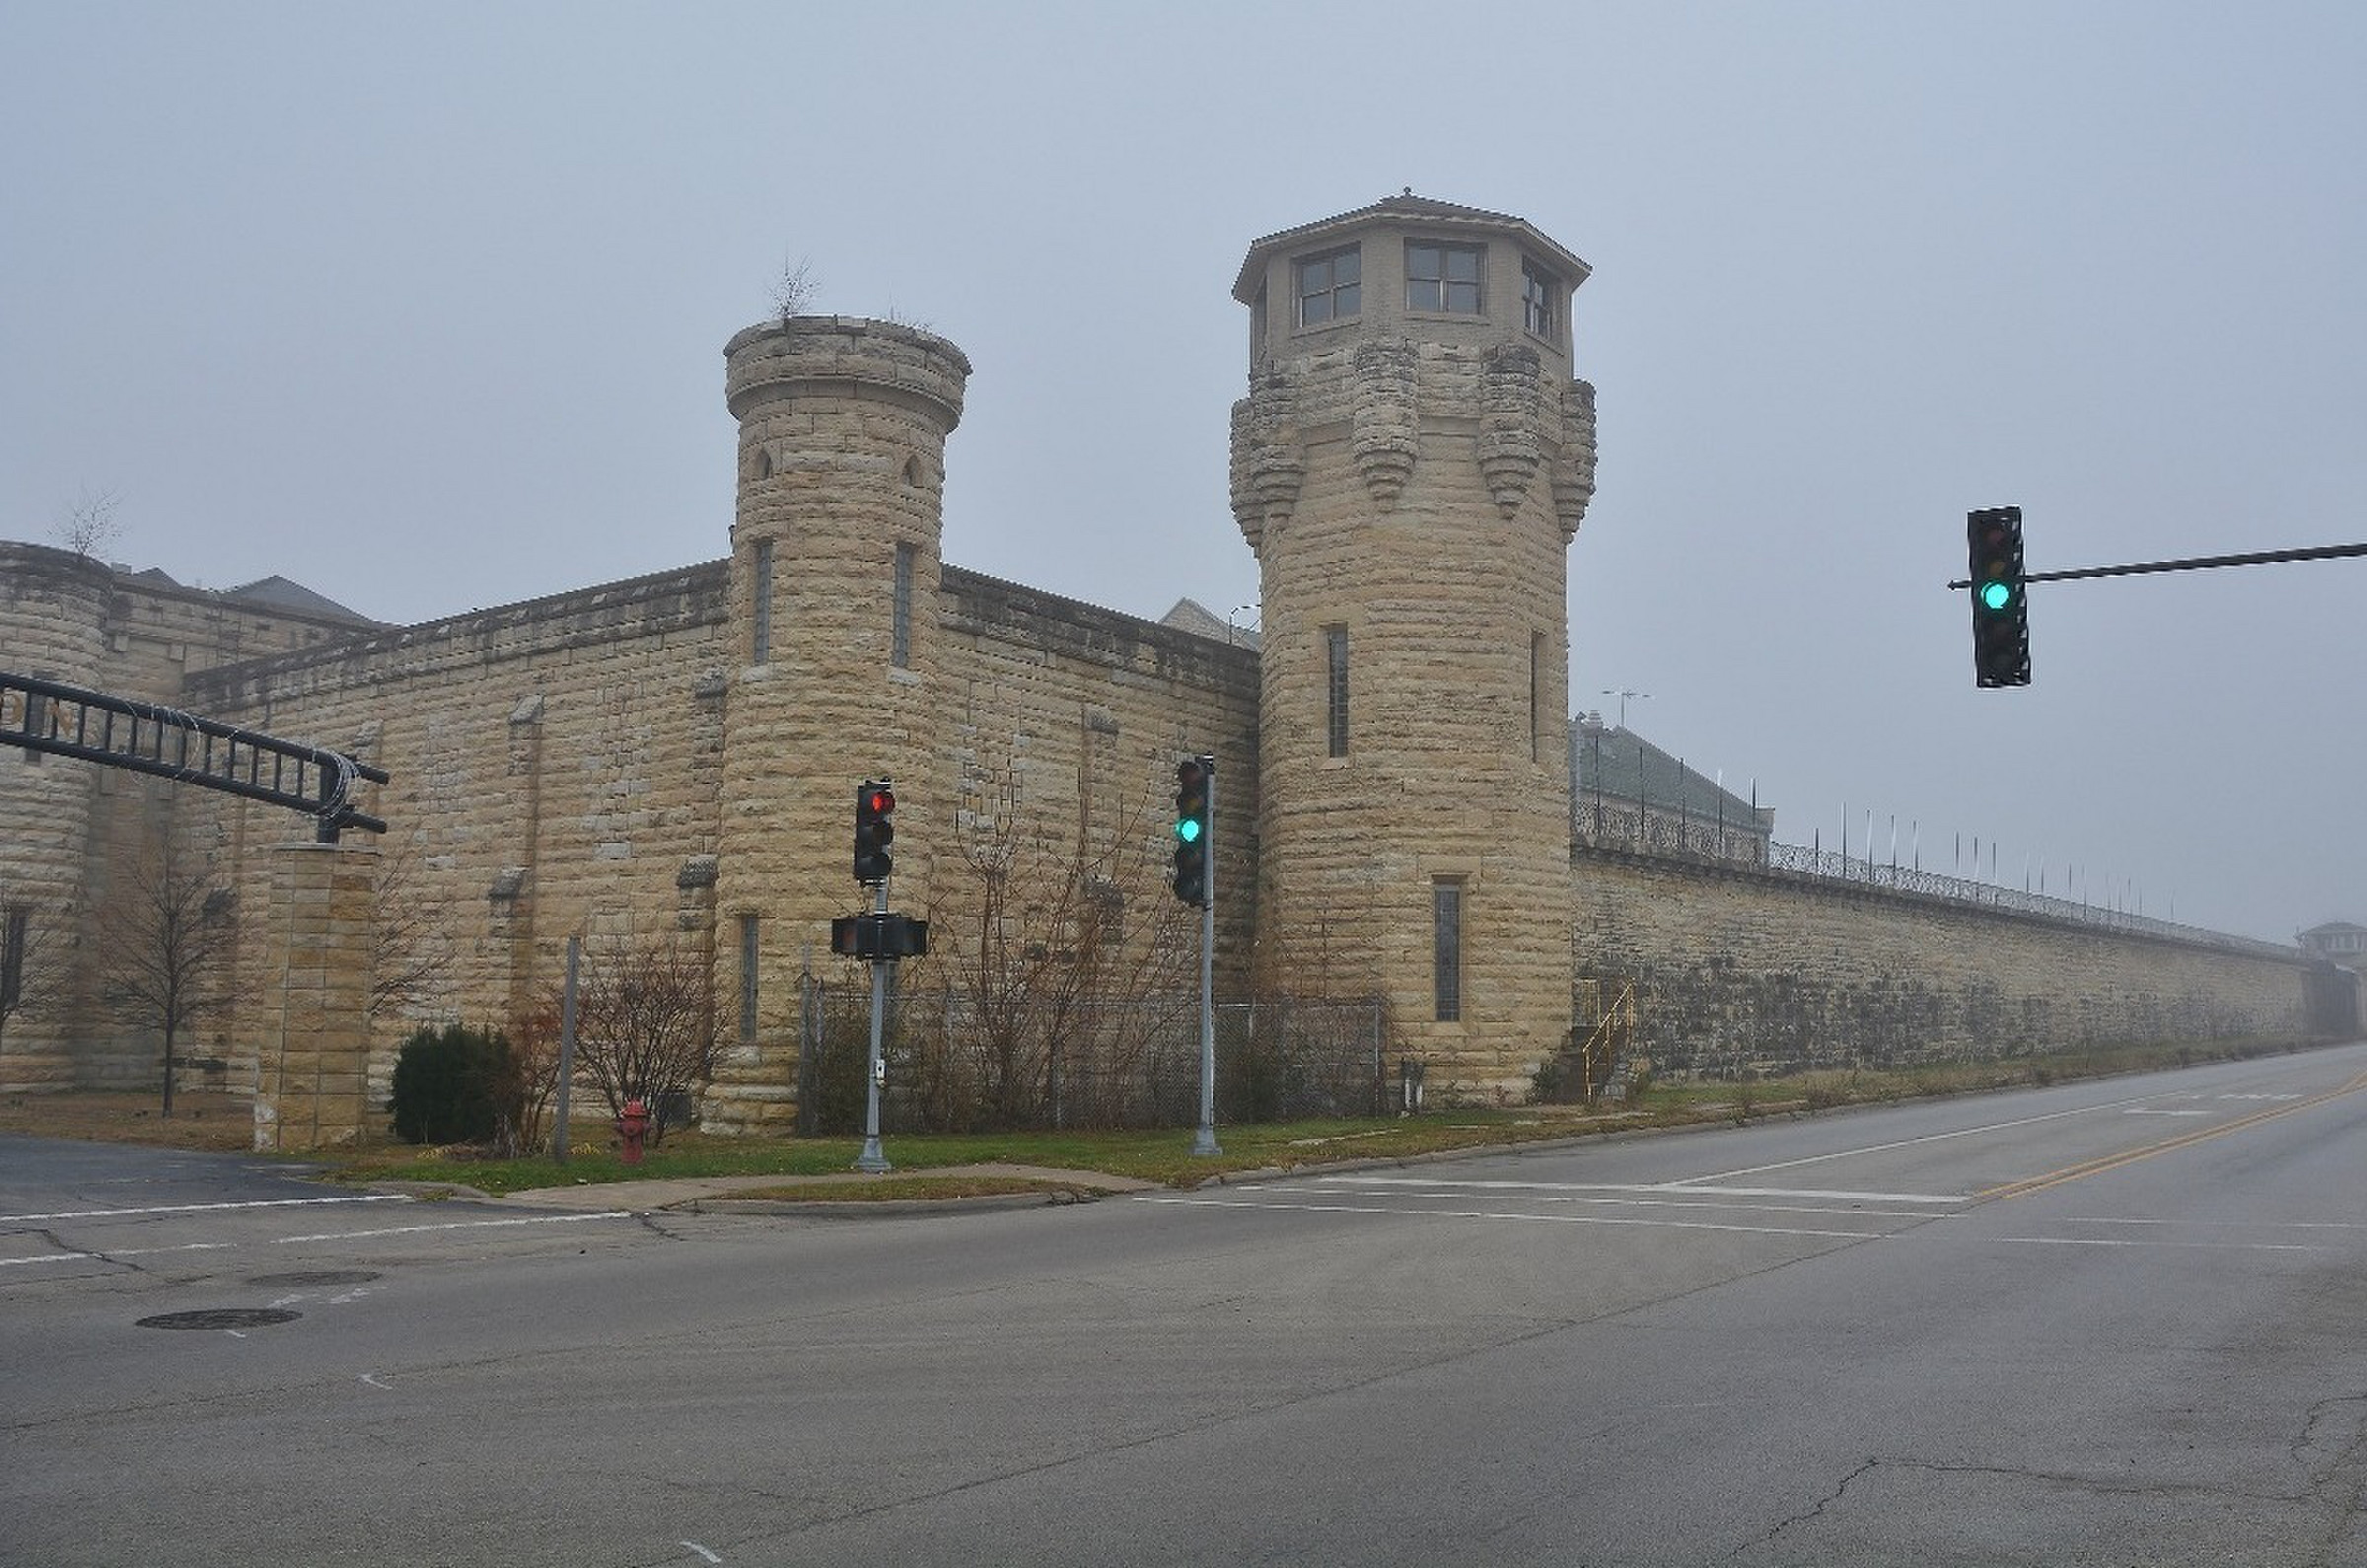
644 1021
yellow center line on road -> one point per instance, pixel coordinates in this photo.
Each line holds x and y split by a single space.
2114 1161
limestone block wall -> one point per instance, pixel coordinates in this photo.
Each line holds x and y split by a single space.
1079 715
66 826
1417 499
313 1081
1734 963
554 769
839 676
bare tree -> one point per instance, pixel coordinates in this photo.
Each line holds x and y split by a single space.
165 934
793 292
1060 952
29 970
644 1021
410 952
89 526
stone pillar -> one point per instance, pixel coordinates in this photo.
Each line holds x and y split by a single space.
311 1080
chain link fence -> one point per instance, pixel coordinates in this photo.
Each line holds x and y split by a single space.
953 1066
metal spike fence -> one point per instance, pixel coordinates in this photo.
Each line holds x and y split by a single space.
954 1067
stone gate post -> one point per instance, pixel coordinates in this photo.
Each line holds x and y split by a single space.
312 1079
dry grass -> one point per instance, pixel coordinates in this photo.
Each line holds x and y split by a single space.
202 1118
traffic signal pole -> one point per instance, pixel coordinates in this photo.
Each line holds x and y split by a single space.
1204 1141
871 1159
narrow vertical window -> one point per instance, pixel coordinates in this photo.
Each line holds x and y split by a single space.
760 633
1446 934
1537 696
1336 684
15 932
1540 293
900 652
748 979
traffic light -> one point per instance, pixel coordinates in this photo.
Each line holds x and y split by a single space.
1194 823
875 807
2000 602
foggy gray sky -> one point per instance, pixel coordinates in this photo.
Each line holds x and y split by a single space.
424 307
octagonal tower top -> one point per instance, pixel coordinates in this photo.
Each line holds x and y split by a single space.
1408 266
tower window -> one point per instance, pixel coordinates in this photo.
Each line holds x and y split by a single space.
1443 277
760 628
1446 940
1536 695
1540 292
748 979
14 938
1335 685
1330 287
901 649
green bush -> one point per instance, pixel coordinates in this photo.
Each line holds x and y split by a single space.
449 1086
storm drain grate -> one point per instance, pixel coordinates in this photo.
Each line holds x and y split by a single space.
221 1318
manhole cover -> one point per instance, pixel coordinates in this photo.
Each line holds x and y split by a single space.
222 1317
318 1277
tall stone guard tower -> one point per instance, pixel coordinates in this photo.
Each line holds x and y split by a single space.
1410 465
837 678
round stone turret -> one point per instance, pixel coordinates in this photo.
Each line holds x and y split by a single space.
835 676
1410 465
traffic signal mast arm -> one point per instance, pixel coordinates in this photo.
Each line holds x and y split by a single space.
2321 552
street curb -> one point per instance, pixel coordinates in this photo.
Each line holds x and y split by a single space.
879 1209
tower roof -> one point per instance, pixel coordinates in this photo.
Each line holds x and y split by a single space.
1404 205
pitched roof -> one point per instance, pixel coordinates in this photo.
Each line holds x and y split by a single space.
281 593
1622 766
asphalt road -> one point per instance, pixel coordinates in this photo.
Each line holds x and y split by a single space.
2118 1323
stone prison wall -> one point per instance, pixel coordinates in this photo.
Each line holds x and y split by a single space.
1737 968
557 765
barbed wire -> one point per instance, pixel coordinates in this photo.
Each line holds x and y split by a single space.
1691 843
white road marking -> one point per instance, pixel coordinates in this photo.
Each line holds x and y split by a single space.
455 1225
702 1550
52 1257
2216 1246
1929 1137
1678 1188
204 1208
371 1378
137 1252
1674 1201
2260 1097
2150 1110
1487 1214
2266 1225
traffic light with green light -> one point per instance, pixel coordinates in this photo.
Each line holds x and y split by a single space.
2000 598
1194 828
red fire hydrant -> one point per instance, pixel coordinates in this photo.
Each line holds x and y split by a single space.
632 1127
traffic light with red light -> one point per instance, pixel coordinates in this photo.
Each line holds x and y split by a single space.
875 830
1194 827
2000 600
